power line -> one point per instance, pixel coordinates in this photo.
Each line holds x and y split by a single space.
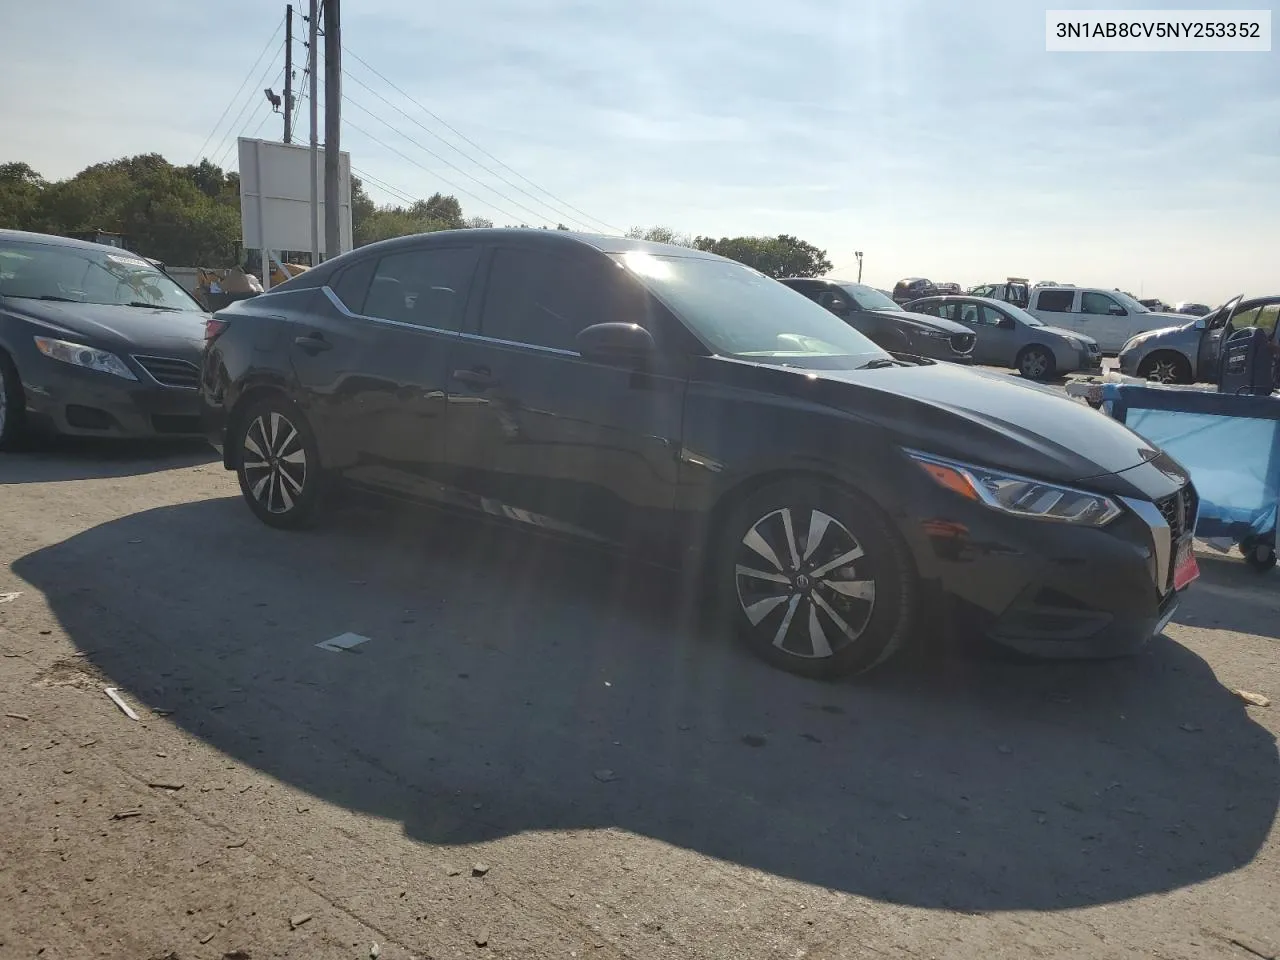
464 137
240 90
393 192
387 146
236 124
447 163
558 213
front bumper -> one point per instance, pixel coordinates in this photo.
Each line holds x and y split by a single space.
67 399
1090 363
1049 589
1129 360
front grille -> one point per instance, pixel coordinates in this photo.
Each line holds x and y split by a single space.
1179 511
171 372
1094 348
963 342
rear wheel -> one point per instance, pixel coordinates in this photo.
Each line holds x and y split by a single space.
1165 366
1036 363
815 580
278 463
12 404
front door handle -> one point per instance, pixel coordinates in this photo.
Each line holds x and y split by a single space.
313 343
479 377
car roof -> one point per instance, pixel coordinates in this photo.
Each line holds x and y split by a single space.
54 240
972 298
534 236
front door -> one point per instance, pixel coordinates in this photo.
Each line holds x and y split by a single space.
376 359
542 435
1217 327
1105 319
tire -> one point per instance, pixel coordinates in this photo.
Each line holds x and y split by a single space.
278 463
1165 366
1259 555
1037 363
12 405
773 606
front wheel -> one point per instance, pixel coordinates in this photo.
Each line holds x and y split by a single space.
1036 363
12 407
815 579
277 463
1165 367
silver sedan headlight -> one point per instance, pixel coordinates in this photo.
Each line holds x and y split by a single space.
80 355
1019 496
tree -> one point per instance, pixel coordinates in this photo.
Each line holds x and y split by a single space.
780 256
20 188
660 235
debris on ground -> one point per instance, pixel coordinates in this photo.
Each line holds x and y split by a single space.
480 869
452 872
482 941
298 920
375 952
17 716
236 844
342 642
9 597
119 702
1190 727
126 814
605 776
208 936
165 785
235 955
1254 699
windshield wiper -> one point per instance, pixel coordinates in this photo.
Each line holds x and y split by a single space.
149 306
878 363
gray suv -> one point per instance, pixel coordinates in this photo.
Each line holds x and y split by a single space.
1010 337
1191 352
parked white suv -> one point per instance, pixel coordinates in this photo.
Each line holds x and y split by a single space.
1109 316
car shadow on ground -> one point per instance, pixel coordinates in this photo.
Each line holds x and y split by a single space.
512 684
53 459
1228 586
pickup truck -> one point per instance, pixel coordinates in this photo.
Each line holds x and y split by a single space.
1109 316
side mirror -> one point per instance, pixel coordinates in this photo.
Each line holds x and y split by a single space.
1200 323
621 344
1117 311
1007 323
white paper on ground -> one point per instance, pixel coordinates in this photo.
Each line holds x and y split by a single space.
344 641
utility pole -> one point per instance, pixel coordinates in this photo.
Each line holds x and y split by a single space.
332 125
313 31
858 254
288 73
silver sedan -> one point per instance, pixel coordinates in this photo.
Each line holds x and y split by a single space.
1010 337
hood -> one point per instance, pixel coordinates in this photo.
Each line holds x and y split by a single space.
116 328
984 418
923 320
1064 332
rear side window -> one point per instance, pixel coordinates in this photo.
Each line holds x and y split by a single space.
426 287
1055 301
546 300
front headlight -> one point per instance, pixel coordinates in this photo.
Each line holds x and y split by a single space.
1019 496
82 356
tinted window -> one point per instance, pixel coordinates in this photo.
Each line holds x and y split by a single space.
1246 317
427 288
947 311
931 309
1267 317
81 274
546 299
1097 303
1055 301
353 283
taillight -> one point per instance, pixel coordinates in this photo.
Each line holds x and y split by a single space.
213 328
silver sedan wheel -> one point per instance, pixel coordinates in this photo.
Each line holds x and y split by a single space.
1035 364
1164 371
800 581
274 462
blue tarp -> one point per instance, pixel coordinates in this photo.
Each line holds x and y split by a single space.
1229 444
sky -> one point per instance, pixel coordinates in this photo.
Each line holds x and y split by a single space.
939 138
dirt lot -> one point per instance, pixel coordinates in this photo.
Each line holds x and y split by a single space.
533 755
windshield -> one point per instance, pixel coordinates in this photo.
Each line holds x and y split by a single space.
869 298
1130 304
741 313
1019 314
47 271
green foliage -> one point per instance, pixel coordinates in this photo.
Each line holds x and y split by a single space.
780 256
660 235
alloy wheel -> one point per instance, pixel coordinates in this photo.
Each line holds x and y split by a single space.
1163 371
274 462
807 592
1035 365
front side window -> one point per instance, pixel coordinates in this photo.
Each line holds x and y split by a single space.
425 287
75 274
1248 317
741 313
1099 304
1056 301
1266 319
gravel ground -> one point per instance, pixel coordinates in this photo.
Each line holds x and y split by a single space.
535 755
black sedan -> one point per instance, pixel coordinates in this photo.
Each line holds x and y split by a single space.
887 324
94 341
689 409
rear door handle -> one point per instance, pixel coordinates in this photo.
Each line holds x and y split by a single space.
475 377
313 343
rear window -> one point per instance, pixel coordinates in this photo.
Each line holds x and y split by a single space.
1055 301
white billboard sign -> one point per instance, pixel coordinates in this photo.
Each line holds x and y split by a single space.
275 197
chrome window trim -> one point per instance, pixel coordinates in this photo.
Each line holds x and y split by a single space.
1161 538
347 312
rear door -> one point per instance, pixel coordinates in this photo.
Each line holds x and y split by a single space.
539 434
1057 309
375 361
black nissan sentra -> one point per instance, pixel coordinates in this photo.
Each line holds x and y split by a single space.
689 409
94 341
